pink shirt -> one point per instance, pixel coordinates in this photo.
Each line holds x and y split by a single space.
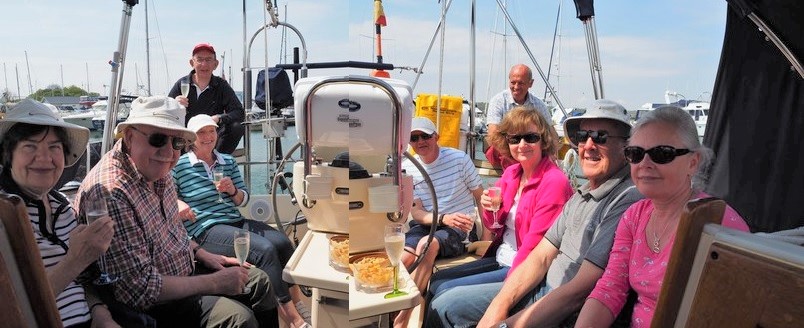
632 264
539 205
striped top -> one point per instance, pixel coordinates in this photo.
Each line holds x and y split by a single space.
53 241
454 177
193 180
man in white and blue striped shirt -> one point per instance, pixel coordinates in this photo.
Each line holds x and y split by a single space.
457 188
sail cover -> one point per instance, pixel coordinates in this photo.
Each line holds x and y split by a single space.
756 123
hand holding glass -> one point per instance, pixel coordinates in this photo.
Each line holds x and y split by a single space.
242 242
495 193
394 245
95 208
473 215
185 88
217 176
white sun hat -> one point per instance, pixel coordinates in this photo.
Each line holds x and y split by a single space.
33 112
600 109
157 111
196 123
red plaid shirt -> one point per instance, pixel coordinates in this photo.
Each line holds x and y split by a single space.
149 239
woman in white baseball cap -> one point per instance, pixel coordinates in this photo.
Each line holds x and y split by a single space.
211 217
36 145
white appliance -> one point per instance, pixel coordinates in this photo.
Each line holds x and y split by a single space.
353 131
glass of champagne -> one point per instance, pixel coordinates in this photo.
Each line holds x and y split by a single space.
495 193
95 208
473 215
185 88
394 245
217 176
242 242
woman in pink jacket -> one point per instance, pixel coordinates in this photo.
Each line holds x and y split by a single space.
534 191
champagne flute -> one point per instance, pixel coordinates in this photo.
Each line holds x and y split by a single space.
394 245
242 242
95 208
495 193
217 176
185 88
473 215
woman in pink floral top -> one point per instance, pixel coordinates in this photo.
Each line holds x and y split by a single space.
667 162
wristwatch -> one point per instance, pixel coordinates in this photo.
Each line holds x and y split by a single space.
503 325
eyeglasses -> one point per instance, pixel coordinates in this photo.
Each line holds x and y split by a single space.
415 137
598 137
529 138
659 154
204 59
157 140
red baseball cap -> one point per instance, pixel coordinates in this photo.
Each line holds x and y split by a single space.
203 46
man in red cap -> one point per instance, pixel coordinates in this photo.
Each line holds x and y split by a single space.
211 95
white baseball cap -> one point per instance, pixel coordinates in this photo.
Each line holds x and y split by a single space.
423 124
196 123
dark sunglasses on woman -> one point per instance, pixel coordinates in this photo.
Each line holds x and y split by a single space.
157 140
599 137
660 154
514 139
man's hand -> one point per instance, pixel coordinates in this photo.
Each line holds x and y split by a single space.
231 280
183 101
459 221
216 262
102 318
493 316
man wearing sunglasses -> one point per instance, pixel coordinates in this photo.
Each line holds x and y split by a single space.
158 265
551 284
520 80
213 96
457 188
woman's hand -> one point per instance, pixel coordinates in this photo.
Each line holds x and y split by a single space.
89 242
185 212
485 200
227 186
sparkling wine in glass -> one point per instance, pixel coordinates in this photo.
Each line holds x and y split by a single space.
217 176
95 208
473 215
185 88
242 242
495 193
394 245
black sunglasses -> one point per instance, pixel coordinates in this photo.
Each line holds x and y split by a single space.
659 154
598 137
157 140
529 138
415 137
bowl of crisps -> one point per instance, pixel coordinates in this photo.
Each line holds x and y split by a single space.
339 252
373 272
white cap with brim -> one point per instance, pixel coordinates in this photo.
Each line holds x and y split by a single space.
33 112
158 111
422 124
600 109
196 123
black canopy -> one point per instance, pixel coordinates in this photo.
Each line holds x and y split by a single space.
757 117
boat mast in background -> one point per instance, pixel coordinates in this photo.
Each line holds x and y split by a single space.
586 13
118 64
553 51
147 52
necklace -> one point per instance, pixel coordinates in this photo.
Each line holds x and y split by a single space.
657 237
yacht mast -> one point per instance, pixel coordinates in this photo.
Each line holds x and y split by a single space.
147 53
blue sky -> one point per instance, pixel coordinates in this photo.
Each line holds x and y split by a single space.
646 47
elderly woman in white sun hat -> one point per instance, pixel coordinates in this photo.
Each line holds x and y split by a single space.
212 223
36 145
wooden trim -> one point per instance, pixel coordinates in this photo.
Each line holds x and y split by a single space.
14 217
697 213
